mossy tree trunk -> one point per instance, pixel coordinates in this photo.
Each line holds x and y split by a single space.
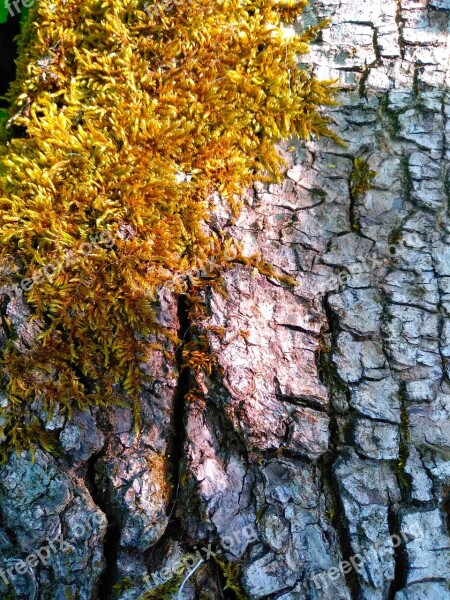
320 431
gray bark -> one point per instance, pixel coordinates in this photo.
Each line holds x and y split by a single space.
323 433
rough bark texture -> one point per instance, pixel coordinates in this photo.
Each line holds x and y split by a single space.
325 427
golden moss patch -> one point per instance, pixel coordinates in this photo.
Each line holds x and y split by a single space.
131 121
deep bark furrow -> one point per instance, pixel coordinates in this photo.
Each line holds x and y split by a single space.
322 432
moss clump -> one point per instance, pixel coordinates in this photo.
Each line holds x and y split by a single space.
122 586
232 573
198 356
361 177
130 122
165 591
395 235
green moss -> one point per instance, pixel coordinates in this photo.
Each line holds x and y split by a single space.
407 184
114 102
405 437
395 235
361 177
122 586
231 572
389 117
69 595
165 591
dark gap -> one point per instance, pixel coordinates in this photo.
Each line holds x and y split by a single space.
111 540
446 506
400 555
175 529
8 330
329 376
300 329
177 426
8 54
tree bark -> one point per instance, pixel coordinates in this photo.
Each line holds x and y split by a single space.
314 461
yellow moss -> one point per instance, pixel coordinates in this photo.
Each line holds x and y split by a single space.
217 330
198 356
245 334
262 267
128 121
195 397
361 177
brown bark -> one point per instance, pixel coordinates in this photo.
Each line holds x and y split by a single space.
323 431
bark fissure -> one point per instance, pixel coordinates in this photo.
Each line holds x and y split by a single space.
177 426
111 541
400 554
330 378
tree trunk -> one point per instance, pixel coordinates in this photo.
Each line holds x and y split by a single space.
313 462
